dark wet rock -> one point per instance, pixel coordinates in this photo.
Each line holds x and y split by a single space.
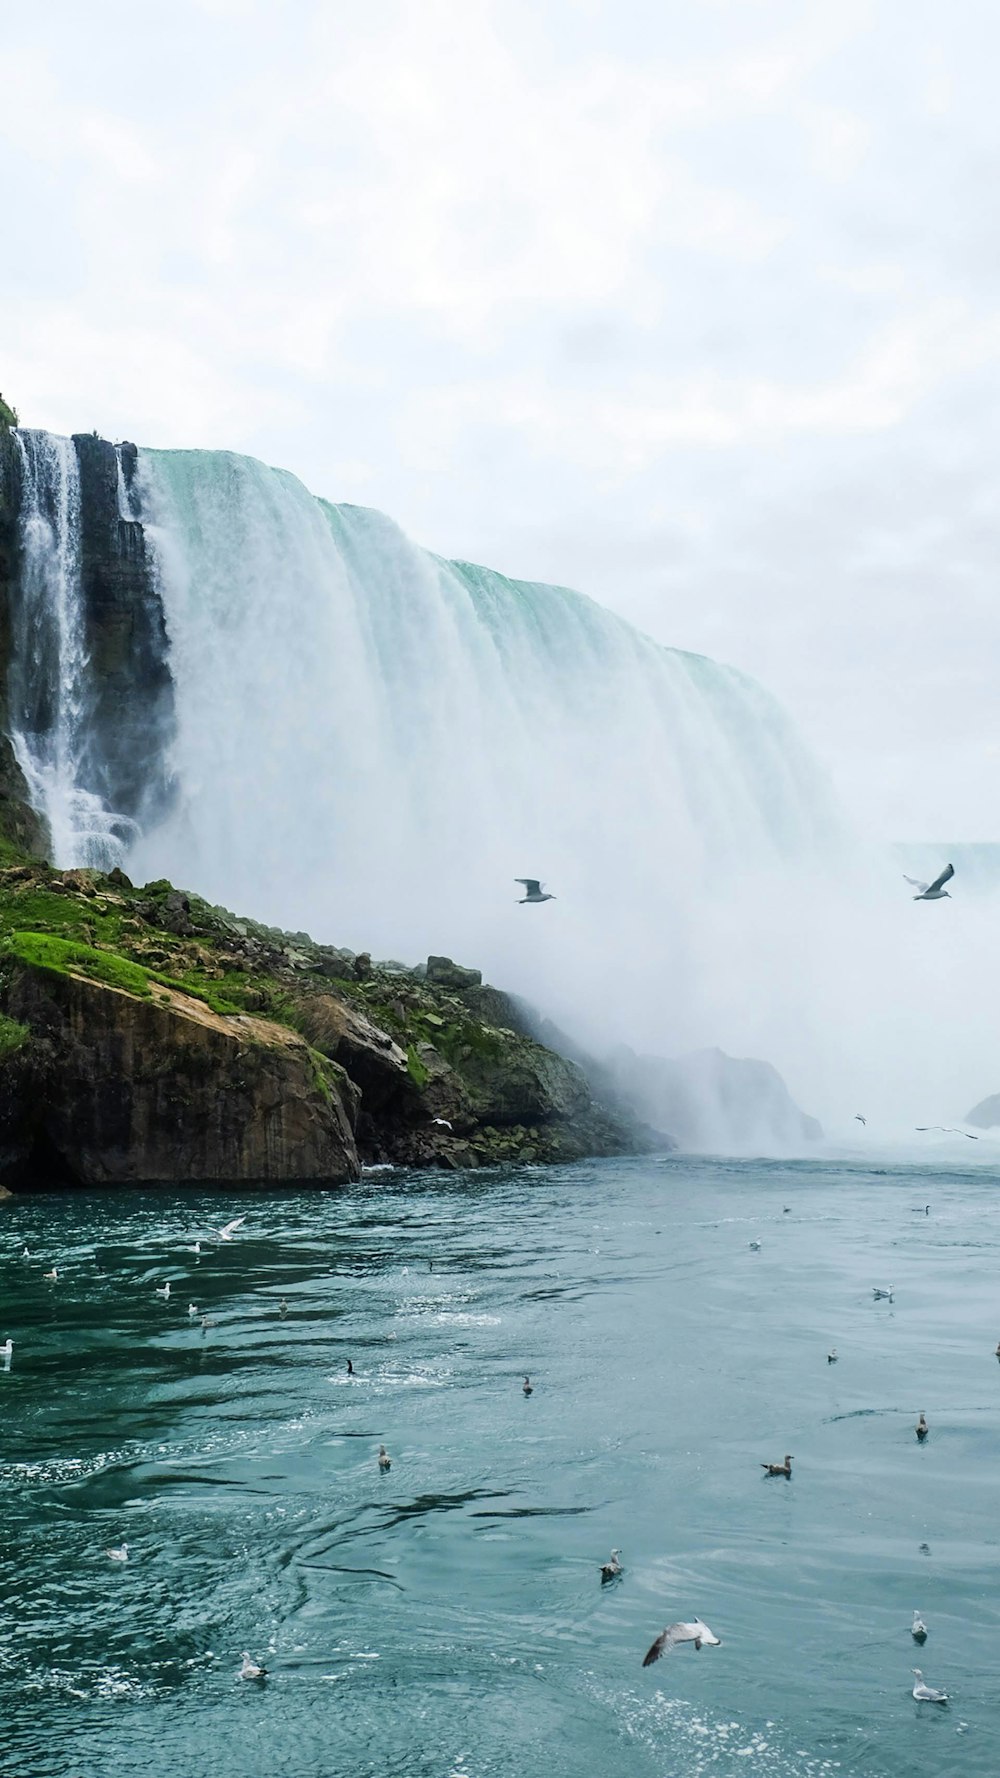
443 973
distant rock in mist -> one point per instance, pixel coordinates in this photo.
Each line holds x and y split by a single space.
706 1100
711 1100
985 1115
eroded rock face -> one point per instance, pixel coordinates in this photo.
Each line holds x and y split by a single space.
116 1089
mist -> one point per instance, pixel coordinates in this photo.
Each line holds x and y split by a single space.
373 743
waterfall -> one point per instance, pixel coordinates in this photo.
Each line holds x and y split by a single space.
49 703
352 736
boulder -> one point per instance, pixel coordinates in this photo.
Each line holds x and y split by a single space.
374 1062
117 1088
443 973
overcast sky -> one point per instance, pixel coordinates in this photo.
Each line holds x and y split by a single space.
694 306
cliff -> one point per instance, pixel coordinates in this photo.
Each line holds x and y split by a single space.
147 1037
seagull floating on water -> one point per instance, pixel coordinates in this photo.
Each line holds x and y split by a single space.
611 1570
946 1130
51 1276
926 1694
533 890
282 1308
163 1290
695 1632
922 1428
755 1247
886 1294
7 1353
384 1459
192 1310
784 1469
118 1552
831 1357
252 1669
932 891
918 1629
227 1232
527 1386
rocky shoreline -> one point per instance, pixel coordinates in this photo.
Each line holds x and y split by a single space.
148 1038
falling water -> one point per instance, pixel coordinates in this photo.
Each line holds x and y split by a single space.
48 682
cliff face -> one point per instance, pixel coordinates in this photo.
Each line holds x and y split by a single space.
18 822
147 1037
126 1089
131 689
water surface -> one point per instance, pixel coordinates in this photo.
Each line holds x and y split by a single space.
447 1618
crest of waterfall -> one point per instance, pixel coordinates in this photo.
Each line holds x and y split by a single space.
48 688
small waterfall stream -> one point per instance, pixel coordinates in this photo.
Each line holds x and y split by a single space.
49 698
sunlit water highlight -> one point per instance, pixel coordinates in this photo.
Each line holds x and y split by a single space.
447 1618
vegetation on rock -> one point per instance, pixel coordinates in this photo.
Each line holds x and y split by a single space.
424 1067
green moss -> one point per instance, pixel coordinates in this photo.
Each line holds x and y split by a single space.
62 957
8 414
12 1036
415 1068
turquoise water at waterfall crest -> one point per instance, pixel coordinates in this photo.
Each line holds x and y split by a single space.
447 1618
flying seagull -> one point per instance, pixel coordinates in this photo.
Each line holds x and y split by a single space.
443 1121
227 1232
252 1669
946 1130
858 1119
610 1570
932 891
695 1632
533 890
925 1694
918 1629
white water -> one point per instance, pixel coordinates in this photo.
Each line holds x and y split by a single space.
374 742
49 705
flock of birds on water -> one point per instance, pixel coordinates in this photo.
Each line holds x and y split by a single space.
674 1635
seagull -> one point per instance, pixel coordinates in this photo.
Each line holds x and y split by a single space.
946 1130
384 1459
831 1357
786 1209
192 1310
51 1276
755 1247
784 1469
610 1570
282 1308
227 1232
918 1629
695 1632
932 891
527 1386
858 1119
252 1669
118 1553
26 1254
443 1121
163 1290
533 890
922 1428
880 1294
6 1353
925 1694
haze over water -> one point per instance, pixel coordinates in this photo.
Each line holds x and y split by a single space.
447 1618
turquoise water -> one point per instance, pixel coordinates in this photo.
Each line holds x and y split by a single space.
447 1618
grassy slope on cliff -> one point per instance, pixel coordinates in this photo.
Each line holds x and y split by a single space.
440 1083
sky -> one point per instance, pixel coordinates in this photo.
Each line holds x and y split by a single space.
693 306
